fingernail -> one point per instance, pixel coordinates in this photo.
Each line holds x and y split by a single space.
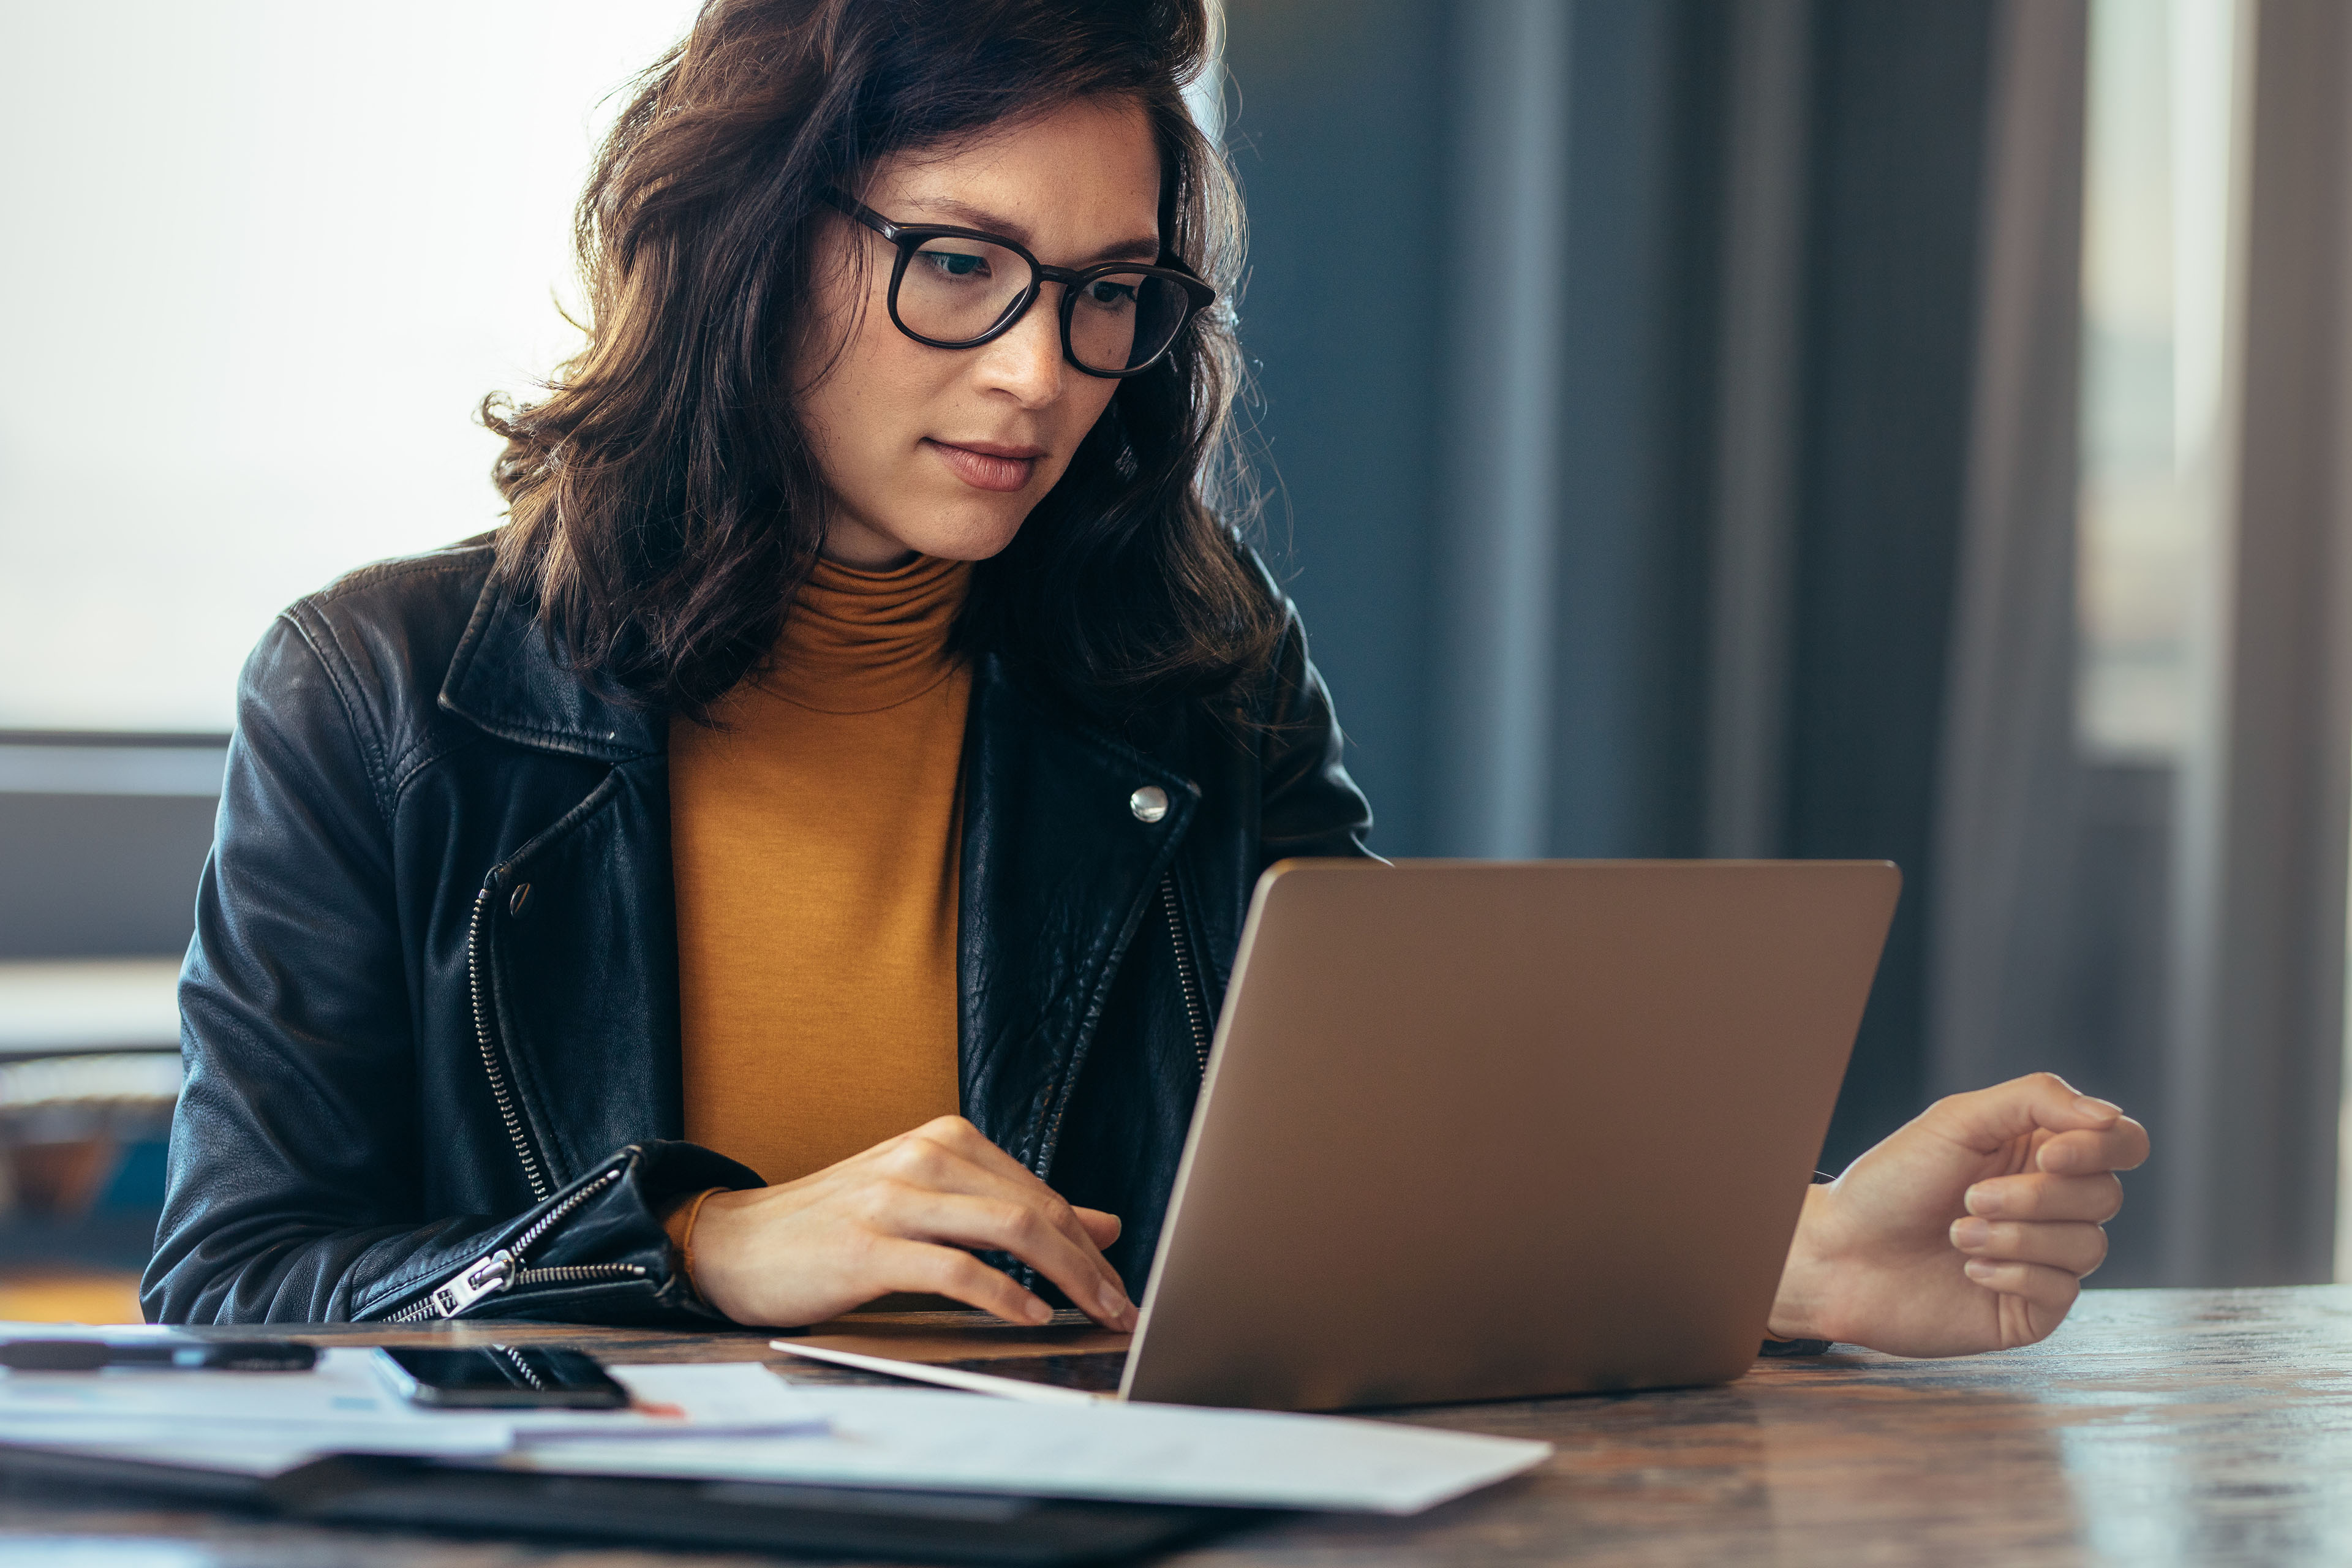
1115 1304
1980 1269
1036 1311
2091 1106
1967 1234
1984 1200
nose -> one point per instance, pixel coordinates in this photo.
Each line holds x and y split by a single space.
1026 362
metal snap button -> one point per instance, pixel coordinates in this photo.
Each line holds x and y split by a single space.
1149 804
518 899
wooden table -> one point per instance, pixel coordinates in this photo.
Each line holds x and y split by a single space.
2156 1426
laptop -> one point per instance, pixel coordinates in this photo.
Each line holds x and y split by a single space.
1476 1130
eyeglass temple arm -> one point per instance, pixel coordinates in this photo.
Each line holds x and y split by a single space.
1203 294
851 206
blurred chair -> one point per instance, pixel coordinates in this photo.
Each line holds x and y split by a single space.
90 1073
102 839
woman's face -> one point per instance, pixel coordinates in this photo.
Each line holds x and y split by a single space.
944 451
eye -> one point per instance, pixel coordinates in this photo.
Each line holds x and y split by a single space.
1110 291
955 263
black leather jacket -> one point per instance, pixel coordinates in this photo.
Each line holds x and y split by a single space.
430 1015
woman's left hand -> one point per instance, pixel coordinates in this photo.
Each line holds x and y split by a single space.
1970 1229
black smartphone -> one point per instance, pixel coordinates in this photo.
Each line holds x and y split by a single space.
492 1377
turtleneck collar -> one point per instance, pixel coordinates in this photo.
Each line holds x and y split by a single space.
857 642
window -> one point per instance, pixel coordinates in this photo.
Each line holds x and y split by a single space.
265 258
2156 244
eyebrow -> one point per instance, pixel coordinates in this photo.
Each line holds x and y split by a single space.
1142 246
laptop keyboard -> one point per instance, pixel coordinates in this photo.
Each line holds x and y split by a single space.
1091 1372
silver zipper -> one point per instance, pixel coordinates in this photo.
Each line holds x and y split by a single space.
502 1270
1196 1008
483 1277
556 1216
573 1273
1196 1012
508 1112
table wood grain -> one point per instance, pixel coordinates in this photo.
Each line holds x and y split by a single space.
2157 1426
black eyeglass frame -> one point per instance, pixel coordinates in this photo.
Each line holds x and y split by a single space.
910 238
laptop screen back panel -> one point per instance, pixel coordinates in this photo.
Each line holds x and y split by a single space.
1484 1130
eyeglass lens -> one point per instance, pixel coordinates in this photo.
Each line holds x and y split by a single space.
957 291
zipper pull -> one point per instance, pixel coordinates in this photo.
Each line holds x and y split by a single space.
487 1277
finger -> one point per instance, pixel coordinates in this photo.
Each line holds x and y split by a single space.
934 1164
2037 1196
950 1156
1008 1227
2074 1248
2122 1147
927 1270
1032 1223
1986 1119
965 1141
2034 1298
1102 1228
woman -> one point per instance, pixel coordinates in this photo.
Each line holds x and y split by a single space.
795 858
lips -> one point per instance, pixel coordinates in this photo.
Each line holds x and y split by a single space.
988 466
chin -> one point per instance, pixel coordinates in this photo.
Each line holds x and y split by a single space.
965 533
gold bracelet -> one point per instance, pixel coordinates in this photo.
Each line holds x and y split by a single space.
686 1239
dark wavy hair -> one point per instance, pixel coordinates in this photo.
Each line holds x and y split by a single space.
664 503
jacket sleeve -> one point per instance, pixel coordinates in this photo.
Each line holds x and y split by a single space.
292 1194
1310 805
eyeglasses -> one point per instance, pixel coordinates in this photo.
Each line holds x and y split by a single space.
959 288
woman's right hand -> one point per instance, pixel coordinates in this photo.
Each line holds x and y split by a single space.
897 1219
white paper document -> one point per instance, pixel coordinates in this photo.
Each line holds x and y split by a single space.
738 1421
1134 1453
259 1423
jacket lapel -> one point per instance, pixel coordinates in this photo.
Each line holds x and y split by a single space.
579 940
1057 869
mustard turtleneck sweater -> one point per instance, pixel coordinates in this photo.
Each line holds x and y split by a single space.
814 839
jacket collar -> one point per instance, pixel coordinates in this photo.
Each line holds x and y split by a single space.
506 678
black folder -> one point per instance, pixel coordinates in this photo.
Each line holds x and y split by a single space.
457 1499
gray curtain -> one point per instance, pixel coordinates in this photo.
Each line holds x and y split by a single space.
2008 807
2257 1041
2173 937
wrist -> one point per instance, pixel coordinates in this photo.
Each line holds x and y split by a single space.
679 1222
712 1248
1800 1304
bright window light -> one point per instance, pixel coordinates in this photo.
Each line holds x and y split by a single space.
2155 239
264 259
